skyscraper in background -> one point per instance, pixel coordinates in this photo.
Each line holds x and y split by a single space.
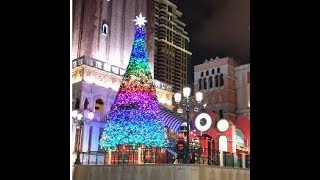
172 57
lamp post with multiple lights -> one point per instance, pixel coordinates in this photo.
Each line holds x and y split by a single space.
79 120
186 104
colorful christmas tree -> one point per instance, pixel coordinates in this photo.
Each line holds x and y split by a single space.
133 117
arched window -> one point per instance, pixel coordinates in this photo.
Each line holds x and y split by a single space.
220 113
212 71
99 106
216 79
205 83
218 70
210 82
86 103
221 80
223 143
207 73
200 84
105 29
201 74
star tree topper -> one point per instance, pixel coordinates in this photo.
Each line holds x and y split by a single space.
140 20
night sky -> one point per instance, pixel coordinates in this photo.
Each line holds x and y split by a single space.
217 28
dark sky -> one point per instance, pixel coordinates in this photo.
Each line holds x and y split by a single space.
217 28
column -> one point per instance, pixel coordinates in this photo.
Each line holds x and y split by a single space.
221 158
243 156
109 156
139 155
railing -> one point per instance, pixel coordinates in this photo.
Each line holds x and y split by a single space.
92 158
104 66
98 64
156 157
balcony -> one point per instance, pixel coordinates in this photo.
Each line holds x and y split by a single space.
89 61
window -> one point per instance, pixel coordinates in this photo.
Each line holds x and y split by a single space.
105 29
200 84
220 113
201 74
223 143
216 79
218 70
86 103
212 71
207 73
205 83
210 82
221 80
99 106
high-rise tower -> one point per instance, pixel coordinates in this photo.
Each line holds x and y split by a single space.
172 57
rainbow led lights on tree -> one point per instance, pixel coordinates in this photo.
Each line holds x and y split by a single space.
133 117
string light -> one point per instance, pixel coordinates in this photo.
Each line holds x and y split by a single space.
133 117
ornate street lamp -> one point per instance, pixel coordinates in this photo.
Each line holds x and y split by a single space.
79 120
186 105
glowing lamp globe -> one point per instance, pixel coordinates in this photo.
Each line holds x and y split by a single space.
177 97
90 115
186 91
74 113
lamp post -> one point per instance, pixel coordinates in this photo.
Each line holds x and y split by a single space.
186 105
79 120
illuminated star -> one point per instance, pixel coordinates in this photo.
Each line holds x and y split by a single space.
140 20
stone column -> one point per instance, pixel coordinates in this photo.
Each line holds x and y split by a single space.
139 155
221 158
243 156
109 156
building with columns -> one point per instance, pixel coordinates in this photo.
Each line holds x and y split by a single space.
172 55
